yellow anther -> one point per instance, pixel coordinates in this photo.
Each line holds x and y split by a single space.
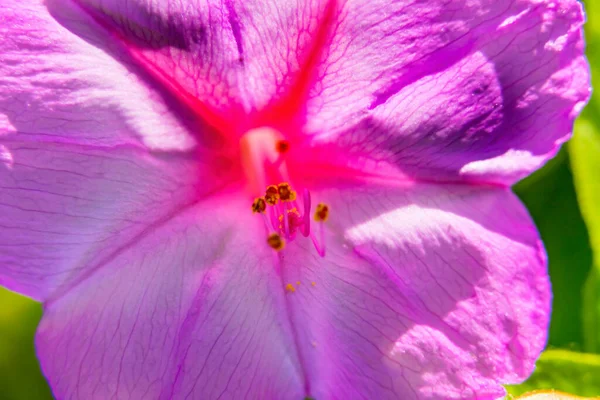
290 288
271 195
298 283
322 212
259 205
285 192
276 242
314 283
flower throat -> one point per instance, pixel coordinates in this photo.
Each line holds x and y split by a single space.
284 214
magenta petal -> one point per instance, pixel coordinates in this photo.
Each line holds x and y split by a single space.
193 310
425 293
485 91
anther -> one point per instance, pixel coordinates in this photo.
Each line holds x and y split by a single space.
322 212
290 288
285 192
259 205
272 195
283 219
276 241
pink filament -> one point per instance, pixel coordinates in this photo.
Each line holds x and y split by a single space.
287 227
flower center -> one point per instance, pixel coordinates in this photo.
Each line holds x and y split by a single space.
284 214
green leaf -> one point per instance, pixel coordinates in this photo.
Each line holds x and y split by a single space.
585 162
591 311
20 375
566 371
548 395
550 197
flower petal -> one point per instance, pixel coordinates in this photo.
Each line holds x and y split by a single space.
193 310
58 86
64 208
223 62
189 49
484 91
90 154
426 292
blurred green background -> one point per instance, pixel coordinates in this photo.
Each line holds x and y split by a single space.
564 200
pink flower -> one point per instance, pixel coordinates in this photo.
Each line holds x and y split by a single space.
136 134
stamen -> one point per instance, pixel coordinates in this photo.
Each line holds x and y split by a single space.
319 244
306 200
322 212
272 195
273 218
259 205
286 221
283 220
276 242
285 192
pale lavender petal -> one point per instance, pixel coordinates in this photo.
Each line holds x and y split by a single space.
232 55
64 81
483 90
235 57
425 293
78 179
193 310
188 48
280 41
64 209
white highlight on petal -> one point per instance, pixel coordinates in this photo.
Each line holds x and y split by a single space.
6 157
514 161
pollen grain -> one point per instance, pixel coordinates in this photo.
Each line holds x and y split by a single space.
276 242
